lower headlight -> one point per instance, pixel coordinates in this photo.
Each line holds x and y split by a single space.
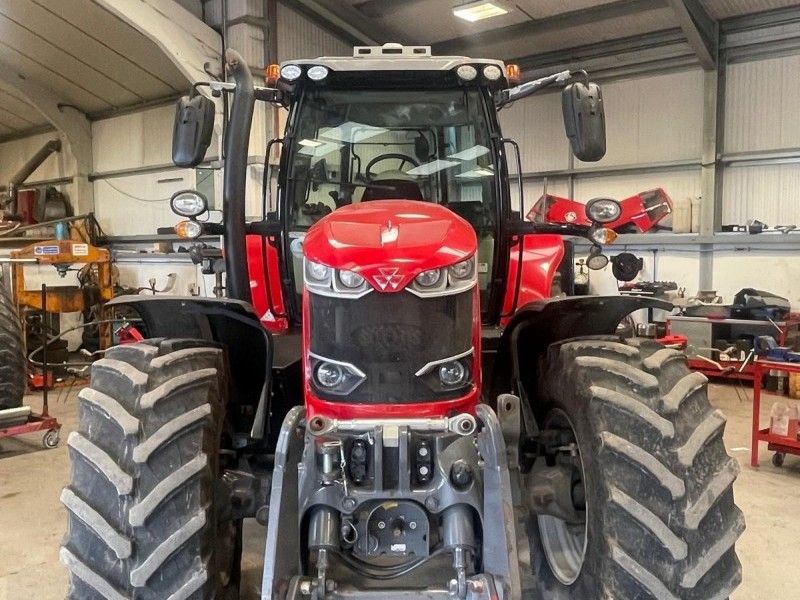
329 375
453 373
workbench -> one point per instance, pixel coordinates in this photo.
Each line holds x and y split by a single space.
777 443
703 332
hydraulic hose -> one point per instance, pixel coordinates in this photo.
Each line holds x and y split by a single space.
237 137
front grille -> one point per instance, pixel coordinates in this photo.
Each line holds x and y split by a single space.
390 337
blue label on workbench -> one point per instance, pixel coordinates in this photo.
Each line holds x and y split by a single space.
45 250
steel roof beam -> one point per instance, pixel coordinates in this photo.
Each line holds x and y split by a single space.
520 31
347 21
193 47
70 121
700 29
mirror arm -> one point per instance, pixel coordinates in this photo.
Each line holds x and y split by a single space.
531 87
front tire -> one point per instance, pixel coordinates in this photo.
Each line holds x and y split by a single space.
661 521
12 354
141 501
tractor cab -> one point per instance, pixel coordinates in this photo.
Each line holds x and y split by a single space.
393 123
396 123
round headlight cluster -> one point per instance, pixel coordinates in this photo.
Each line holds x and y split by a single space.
603 210
351 279
294 72
317 73
317 271
291 72
429 279
492 72
467 72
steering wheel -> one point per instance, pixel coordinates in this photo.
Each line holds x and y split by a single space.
404 158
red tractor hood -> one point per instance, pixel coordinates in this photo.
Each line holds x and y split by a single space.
390 242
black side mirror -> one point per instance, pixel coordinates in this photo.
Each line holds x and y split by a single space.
584 120
194 124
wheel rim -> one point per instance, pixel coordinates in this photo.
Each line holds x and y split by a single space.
564 543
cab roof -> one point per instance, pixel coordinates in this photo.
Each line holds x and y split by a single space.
394 57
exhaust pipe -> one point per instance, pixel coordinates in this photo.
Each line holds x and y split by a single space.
237 136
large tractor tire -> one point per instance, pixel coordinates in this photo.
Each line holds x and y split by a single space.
12 354
143 502
660 519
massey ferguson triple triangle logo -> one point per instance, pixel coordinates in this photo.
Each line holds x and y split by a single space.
388 277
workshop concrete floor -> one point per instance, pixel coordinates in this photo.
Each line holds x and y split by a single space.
32 521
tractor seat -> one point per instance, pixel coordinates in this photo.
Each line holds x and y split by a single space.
399 190
399 186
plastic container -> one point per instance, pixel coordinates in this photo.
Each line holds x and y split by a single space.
681 215
696 208
779 419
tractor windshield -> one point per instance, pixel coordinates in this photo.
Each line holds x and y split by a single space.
353 146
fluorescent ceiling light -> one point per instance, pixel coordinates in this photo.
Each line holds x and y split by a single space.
477 11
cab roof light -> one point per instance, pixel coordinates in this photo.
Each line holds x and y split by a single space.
273 72
513 74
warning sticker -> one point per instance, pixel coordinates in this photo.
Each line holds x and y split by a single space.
80 249
45 250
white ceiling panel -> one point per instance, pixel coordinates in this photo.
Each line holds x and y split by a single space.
82 52
723 9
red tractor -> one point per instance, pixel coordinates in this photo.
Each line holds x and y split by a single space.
387 383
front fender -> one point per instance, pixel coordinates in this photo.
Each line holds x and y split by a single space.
537 325
224 321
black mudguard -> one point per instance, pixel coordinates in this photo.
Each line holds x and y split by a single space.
538 324
227 322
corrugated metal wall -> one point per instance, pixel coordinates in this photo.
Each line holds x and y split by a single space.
655 119
761 114
298 37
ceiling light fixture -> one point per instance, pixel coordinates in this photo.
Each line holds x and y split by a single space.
477 11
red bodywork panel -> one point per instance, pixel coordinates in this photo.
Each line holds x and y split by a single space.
265 285
390 242
541 257
643 211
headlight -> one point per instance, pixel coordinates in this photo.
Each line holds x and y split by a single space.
329 374
317 274
291 72
492 72
428 279
448 280
351 279
334 377
189 229
463 270
188 203
467 72
453 373
317 73
597 262
603 210
448 373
